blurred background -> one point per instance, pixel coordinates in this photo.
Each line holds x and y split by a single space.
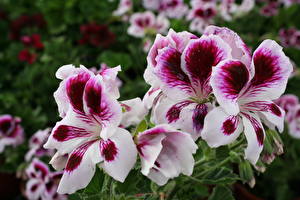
37 37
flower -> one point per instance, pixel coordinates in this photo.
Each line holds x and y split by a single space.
123 8
24 21
170 8
180 64
146 22
288 103
229 8
294 122
34 40
42 183
245 93
134 112
89 131
96 35
165 153
11 133
36 143
26 56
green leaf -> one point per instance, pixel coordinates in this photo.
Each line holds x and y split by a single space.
221 175
96 183
221 193
142 126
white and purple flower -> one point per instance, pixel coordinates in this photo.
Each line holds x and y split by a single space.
165 153
245 93
89 131
36 143
11 132
42 183
147 22
180 65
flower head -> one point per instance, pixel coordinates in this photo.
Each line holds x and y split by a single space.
11 132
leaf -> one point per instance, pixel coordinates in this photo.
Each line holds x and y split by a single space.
220 176
221 193
96 183
142 126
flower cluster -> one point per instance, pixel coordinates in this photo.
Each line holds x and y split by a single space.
197 74
271 7
209 87
11 132
290 37
96 35
36 143
42 183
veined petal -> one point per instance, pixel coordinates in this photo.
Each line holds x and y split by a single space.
150 97
240 51
105 110
65 136
74 88
165 153
228 79
34 189
180 40
221 128
119 153
80 167
134 112
38 170
175 83
272 115
160 42
272 70
198 59
255 135
109 76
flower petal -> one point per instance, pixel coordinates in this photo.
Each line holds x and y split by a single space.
175 83
80 167
198 59
221 128
228 79
240 51
272 70
255 135
119 153
34 189
104 109
272 115
134 112
65 136
294 124
150 97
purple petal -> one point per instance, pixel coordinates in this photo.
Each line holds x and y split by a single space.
108 150
170 73
198 59
228 80
230 124
272 70
75 88
64 133
199 114
174 112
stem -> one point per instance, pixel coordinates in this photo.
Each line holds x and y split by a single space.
200 161
213 167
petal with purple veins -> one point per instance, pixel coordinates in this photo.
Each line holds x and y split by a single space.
221 128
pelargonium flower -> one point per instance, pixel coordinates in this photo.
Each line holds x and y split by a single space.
294 122
134 112
36 143
34 40
201 14
89 131
288 103
165 153
270 9
180 64
230 8
26 56
146 22
286 36
96 35
245 93
123 7
109 76
11 132
170 8
42 183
